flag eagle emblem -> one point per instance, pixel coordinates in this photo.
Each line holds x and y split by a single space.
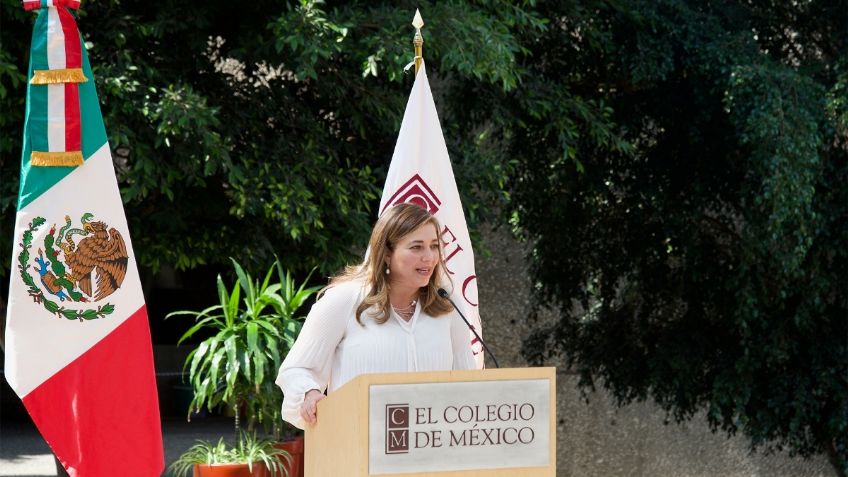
65 261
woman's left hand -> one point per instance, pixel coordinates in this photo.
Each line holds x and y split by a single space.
309 408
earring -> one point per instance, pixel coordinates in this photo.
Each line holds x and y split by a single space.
387 270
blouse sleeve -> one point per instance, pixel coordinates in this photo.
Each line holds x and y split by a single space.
463 358
308 364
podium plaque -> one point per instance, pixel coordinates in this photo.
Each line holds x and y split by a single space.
483 423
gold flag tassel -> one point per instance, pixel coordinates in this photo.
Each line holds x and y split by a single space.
69 75
56 159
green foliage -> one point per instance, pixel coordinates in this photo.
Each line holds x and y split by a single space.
248 450
676 167
692 233
267 129
252 329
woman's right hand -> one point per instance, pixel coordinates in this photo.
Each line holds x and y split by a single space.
309 408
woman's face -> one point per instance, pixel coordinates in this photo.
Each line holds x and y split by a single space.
414 258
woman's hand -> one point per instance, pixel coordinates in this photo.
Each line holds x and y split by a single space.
309 408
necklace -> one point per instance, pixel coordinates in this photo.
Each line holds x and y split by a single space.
407 311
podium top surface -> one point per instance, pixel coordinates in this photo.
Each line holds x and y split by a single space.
497 374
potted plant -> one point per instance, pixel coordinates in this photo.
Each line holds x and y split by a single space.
252 328
205 459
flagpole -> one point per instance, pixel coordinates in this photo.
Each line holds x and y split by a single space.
418 40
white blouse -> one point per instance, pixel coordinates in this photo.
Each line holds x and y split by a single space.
334 348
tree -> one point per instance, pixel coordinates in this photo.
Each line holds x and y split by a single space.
697 256
263 128
677 168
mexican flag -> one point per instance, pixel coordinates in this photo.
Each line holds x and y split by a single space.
78 349
421 173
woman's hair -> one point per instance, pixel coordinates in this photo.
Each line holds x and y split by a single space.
396 223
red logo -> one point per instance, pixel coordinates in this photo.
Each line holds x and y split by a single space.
397 428
415 191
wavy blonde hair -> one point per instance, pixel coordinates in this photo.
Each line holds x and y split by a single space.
396 223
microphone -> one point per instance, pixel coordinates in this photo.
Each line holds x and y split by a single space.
444 294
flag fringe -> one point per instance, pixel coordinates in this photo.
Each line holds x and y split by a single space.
70 75
56 159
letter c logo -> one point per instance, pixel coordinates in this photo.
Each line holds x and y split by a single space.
396 421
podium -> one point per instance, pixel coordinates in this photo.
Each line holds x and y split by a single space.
482 423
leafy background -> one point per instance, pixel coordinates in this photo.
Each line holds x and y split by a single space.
677 170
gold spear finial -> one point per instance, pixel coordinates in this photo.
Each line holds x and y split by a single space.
418 40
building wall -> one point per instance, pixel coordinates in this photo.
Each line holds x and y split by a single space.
595 438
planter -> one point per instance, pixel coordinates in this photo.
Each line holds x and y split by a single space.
230 470
295 448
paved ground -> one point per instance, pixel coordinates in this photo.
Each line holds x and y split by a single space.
23 453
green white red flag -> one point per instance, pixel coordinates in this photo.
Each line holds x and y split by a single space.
421 173
78 348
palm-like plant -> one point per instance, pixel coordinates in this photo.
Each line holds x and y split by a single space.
248 449
236 366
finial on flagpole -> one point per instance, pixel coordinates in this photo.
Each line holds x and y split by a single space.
418 40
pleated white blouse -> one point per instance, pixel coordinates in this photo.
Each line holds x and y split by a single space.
334 348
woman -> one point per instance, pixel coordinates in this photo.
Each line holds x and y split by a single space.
384 315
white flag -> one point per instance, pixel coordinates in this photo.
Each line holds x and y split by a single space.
421 173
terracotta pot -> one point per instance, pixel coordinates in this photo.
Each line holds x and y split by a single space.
230 470
295 448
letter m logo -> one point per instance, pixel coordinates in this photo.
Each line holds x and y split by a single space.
397 428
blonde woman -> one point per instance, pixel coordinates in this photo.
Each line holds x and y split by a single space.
384 315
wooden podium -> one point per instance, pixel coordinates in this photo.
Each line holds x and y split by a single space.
484 423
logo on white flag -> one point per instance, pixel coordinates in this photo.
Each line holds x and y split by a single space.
415 191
